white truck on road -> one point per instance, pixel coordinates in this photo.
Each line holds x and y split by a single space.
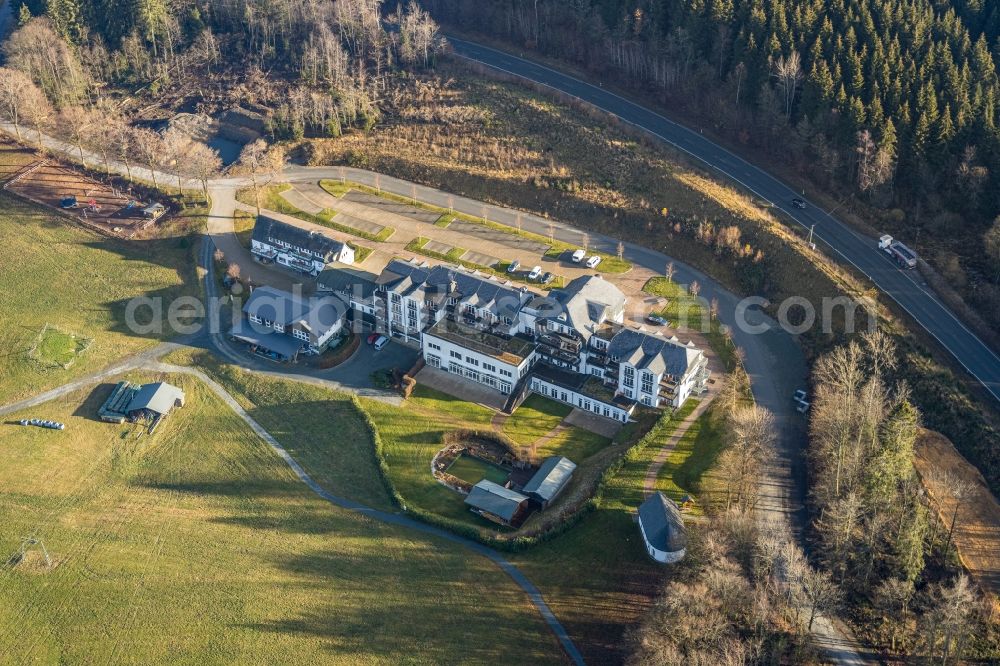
904 256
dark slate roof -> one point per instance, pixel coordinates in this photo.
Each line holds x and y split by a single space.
652 352
268 230
280 343
662 523
552 475
359 284
158 397
317 314
494 498
588 300
423 283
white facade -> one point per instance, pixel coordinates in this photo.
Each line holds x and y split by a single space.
579 400
666 557
482 368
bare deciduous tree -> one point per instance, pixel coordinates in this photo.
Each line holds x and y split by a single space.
788 71
20 98
149 146
203 163
38 51
947 623
260 160
76 123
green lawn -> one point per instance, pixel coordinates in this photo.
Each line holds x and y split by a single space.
199 545
575 443
411 435
321 428
695 453
79 283
473 470
597 577
536 417
57 348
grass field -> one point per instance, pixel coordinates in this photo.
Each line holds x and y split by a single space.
321 428
696 452
199 545
411 435
78 282
536 417
472 470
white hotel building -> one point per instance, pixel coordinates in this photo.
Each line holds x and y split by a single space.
571 345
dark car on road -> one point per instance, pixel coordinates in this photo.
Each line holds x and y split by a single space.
548 277
799 203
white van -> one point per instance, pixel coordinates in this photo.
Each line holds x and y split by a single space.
535 272
578 256
382 341
593 261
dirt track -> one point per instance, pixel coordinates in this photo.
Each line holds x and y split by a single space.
977 531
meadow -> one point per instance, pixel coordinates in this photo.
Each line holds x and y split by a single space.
198 545
78 283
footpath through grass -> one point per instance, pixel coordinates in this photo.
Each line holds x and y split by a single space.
79 283
597 577
697 451
200 531
322 429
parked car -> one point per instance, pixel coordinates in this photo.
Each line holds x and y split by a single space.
593 261
535 272
381 342
514 265
372 338
656 320
578 256
548 277
799 395
799 203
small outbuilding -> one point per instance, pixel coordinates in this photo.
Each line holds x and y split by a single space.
494 502
552 477
156 399
662 528
135 402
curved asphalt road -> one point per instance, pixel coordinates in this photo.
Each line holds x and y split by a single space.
859 251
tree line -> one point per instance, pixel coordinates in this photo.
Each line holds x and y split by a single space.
896 100
874 532
318 67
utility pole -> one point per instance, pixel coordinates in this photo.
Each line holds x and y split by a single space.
811 230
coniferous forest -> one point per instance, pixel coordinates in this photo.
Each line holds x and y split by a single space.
893 102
